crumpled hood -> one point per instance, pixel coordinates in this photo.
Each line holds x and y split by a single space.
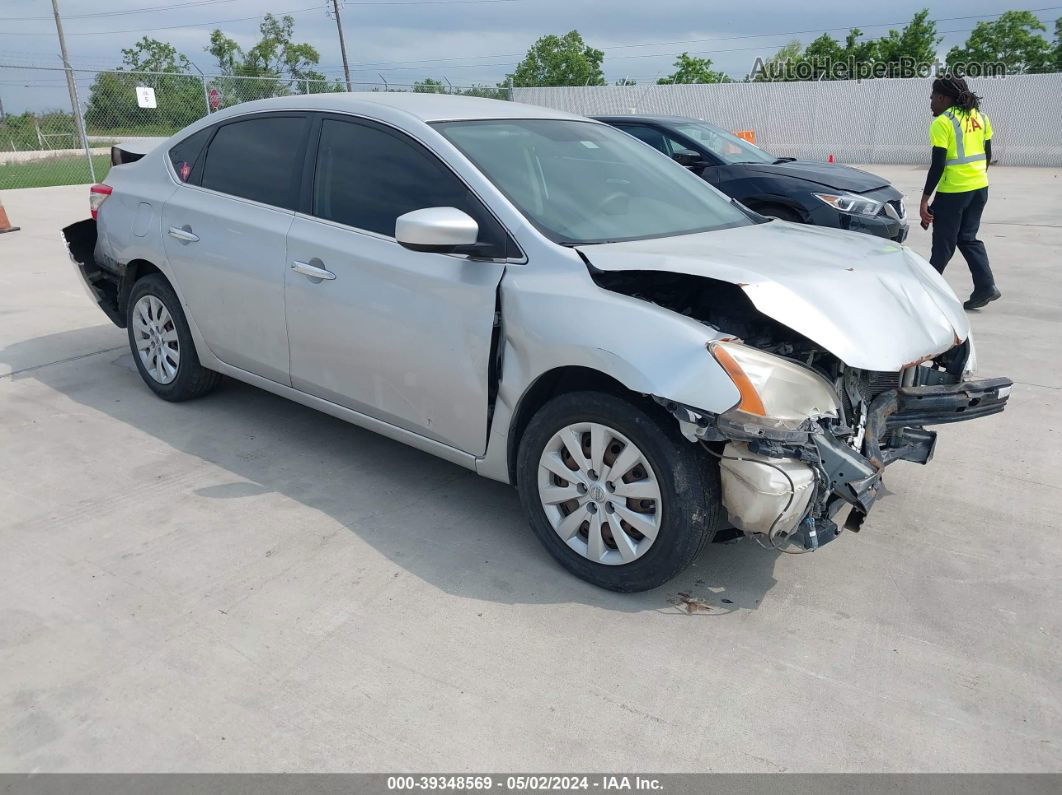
871 302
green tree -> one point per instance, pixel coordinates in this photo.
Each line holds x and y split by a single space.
284 66
779 65
1057 59
488 92
429 86
112 104
902 51
693 70
1013 40
559 61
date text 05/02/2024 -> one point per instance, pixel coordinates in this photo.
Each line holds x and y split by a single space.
523 783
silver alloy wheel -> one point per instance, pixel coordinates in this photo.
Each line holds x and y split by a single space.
156 339
599 493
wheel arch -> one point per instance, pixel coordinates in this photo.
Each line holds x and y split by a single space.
135 270
559 381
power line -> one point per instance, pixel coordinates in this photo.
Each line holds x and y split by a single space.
378 64
122 13
278 13
173 27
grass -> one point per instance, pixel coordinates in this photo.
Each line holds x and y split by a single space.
72 170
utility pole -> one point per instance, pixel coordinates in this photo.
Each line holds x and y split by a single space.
342 44
72 88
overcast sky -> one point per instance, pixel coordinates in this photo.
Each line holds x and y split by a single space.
464 41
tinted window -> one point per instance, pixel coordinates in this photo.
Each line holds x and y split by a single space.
257 159
649 135
185 154
367 177
658 140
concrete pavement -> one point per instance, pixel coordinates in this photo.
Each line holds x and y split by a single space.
243 584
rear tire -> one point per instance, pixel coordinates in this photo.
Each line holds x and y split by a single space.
161 342
681 515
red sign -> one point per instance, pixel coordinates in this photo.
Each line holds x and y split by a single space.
215 98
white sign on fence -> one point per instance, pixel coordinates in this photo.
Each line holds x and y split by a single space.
145 97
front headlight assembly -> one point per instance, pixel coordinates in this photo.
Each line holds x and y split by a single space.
850 203
774 391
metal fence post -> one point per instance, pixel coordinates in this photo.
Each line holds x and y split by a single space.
206 93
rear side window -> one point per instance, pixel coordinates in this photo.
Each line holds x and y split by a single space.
367 177
186 154
259 159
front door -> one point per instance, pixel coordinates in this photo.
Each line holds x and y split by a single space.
400 335
225 231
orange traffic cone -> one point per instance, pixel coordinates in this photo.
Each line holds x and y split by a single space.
5 225
829 159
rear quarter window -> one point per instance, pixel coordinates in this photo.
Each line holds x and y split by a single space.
186 154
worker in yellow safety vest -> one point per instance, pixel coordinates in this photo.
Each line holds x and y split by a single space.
961 137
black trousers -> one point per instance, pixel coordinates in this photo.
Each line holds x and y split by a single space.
956 219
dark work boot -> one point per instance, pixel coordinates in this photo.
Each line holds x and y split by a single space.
982 298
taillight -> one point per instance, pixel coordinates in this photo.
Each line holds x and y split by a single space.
97 194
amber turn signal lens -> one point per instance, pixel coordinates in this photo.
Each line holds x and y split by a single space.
750 398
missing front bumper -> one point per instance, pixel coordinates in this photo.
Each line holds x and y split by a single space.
825 472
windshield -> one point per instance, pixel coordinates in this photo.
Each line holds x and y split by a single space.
581 182
728 148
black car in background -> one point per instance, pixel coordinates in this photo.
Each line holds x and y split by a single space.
806 191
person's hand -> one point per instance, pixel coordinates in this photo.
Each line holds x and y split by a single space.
923 211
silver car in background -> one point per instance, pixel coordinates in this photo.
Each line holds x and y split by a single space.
540 298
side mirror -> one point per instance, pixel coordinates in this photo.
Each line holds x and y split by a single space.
689 160
443 230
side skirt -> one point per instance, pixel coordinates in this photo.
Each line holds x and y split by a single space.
447 453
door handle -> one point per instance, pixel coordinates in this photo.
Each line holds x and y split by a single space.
184 234
314 272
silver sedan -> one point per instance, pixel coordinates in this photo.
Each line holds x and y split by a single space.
540 298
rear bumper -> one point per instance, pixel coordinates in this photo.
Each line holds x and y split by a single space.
102 286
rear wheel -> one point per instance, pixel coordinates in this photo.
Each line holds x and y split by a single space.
162 343
619 498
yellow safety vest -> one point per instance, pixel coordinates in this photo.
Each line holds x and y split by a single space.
963 134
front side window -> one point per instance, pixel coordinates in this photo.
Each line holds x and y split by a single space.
257 158
727 147
583 182
366 177
659 140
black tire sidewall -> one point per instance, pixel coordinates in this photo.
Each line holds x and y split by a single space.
689 486
188 368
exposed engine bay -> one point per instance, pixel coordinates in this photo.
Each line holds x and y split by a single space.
782 480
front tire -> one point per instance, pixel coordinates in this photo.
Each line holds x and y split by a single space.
614 493
162 344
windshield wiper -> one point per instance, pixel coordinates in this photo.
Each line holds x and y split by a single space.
778 160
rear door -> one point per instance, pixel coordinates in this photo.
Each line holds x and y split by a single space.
225 229
400 335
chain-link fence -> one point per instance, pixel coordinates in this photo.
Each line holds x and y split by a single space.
868 121
872 121
42 148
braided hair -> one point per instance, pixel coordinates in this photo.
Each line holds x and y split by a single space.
955 88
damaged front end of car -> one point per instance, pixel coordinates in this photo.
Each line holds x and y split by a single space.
815 426
792 456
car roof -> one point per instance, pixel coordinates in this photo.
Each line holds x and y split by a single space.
425 107
658 119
